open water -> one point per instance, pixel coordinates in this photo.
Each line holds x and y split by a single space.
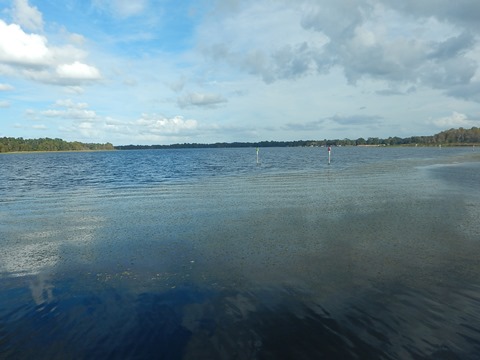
205 254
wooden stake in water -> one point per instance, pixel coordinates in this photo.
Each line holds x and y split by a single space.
258 149
329 151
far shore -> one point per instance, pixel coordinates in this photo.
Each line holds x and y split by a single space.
53 151
207 146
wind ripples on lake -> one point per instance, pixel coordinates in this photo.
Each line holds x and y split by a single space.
206 254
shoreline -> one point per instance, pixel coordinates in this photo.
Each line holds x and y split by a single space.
169 147
55 151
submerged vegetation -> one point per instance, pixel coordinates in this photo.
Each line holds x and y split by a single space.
452 137
9 144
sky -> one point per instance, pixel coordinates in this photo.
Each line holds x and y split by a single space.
205 71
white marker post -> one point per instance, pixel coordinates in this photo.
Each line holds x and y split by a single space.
329 151
257 154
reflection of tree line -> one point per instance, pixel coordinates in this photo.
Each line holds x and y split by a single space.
451 137
9 144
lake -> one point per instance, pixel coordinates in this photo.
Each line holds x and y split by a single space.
207 254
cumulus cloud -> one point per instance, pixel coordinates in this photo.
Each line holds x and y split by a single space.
161 125
29 17
78 71
366 39
70 114
148 128
264 40
289 61
336 19
4 104
70 110
200 100
29 55
370 43
85 129
456 119
22 49
410 43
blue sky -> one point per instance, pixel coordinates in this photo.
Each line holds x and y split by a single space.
162 72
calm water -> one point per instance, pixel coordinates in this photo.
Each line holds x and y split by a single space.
204 254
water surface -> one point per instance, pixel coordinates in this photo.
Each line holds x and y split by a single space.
205 254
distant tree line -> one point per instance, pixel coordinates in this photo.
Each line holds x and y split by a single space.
222 145
452 137
10 144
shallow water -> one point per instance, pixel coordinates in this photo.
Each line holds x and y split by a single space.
204 254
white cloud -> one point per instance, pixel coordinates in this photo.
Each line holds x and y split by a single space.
367 40
336 19
70 111
22 49
4 104
70 114
78 71
162 125
66 54
6 87
150 128
30 56
264 39
68 103
27 16
85 130
86 126
456 119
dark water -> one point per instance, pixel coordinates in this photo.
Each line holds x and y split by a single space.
203 254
